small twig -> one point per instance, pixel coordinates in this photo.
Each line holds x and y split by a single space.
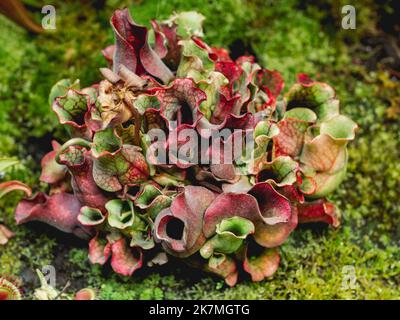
63 290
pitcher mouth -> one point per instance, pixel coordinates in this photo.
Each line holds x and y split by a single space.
10 289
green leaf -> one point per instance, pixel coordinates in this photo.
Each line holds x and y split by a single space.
282 171
230 235
304 114
121 214
90 216
339 127
142 239
147 193
195 62
211 87
190 23
61 88
144 102
105 140
318 96
7 162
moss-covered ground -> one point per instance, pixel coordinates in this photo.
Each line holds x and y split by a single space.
284 35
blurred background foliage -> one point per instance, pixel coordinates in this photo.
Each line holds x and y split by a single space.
291 36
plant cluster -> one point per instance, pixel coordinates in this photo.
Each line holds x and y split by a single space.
221 217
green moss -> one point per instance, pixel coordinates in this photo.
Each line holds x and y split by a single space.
285 36
26 251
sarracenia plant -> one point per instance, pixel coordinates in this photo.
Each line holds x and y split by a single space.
223 216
